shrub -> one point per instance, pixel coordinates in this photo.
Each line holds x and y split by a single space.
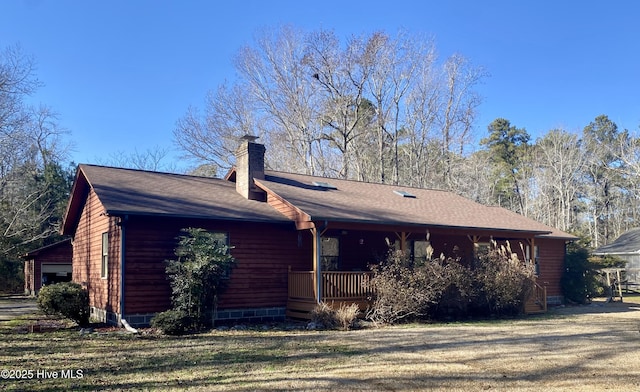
324 314
172 322
346 315
67 299
498 284
505 281
11 276
581 280
458 294
342 318
402 290
199 274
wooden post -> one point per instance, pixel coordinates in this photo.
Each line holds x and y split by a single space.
403 240
619 284
317 264
475 240
314 262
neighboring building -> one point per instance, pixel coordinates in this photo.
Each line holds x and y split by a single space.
297 239
47 265
627 248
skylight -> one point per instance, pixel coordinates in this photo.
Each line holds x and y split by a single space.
325 185
405 194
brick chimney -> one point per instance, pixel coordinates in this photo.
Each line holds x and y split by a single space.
249 165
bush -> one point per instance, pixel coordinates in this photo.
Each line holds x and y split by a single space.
67 299
458 294
346 315
172 322
11 276
199 274
505 281
498 284
323 314
403 291
342 318
581 280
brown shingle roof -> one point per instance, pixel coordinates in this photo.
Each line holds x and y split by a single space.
138 192
128 191
355 201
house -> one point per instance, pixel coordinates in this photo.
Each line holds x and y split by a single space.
297 239
47 265
627 248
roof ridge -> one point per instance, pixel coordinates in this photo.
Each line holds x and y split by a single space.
147 171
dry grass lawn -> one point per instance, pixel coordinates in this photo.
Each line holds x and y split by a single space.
587 348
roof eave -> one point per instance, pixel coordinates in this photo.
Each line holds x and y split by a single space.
122 213
429 225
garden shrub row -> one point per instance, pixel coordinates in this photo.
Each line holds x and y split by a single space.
493 285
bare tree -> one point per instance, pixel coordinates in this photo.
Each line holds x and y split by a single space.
375 107
341 76
284 94
460 102
154 159
211 138
557 176
32 182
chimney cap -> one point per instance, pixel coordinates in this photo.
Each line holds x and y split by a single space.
249 138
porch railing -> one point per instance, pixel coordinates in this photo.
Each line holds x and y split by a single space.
537 302
540 294
336 285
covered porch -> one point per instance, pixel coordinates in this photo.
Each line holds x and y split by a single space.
341 255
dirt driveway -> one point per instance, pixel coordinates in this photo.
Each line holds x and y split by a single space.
12 306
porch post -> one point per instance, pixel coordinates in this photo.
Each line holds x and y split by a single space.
317 265
403 236
532 254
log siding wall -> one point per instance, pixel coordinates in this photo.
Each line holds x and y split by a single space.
263 252
87 255
551 265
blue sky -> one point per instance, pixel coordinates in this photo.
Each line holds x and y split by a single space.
120 73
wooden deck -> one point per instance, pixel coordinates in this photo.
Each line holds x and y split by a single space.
338 287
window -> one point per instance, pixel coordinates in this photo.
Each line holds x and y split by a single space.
421 251
536 257
104 264
330 253
222 238
481 249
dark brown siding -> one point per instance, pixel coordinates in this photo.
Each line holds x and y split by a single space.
551 264
87 255
263 253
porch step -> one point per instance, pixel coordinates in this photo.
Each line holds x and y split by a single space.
533 307
537 310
